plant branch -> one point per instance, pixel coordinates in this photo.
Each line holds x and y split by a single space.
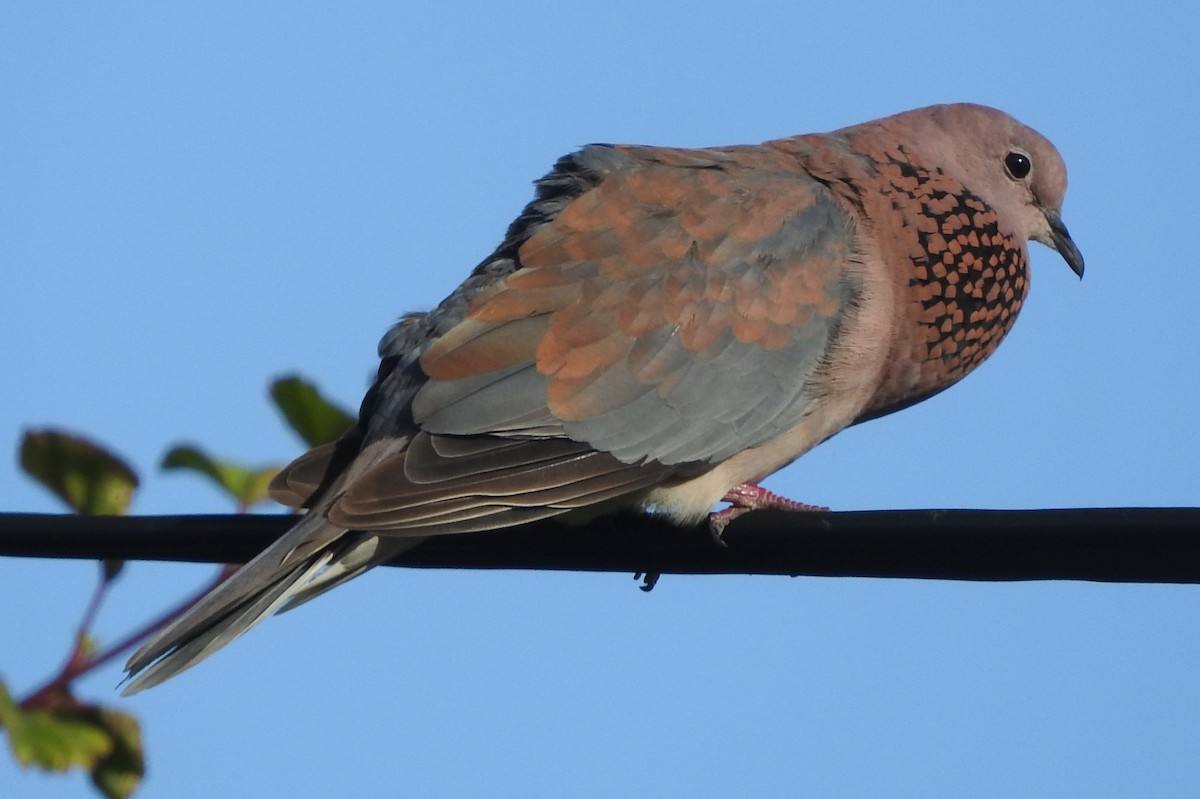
78 664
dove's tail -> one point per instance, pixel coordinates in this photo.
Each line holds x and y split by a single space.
308 560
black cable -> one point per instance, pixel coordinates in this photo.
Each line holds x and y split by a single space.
1159 545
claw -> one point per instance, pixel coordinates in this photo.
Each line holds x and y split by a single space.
649 580
747 497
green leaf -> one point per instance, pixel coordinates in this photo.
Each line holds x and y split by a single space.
8 708
119 772
315 419
53 740
247 485
106 742
89 478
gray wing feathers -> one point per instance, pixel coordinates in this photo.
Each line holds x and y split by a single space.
296 483
511 400
443 484
652 397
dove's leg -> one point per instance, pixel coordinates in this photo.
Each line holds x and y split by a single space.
748 497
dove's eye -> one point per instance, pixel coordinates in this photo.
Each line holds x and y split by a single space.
1017 165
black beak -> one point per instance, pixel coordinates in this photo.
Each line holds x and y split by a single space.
1063 244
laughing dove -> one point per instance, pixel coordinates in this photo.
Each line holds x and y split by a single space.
662 328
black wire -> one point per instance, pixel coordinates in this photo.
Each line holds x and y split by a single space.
1147 545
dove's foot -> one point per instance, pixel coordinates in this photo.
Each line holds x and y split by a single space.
649 580
748 497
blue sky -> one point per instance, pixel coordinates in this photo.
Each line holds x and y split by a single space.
195 198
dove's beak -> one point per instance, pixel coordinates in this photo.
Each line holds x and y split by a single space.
1061 241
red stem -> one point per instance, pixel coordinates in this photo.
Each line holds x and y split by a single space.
78 665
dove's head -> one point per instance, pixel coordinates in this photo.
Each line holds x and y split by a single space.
1012 167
